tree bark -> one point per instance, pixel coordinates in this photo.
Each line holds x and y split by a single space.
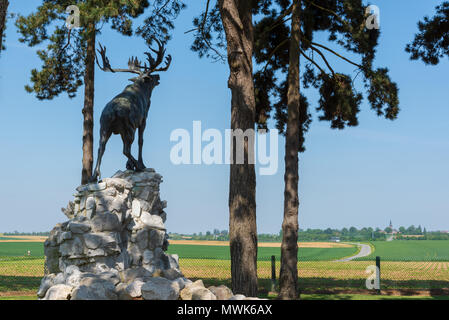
236 16
3 10
288 280
88 110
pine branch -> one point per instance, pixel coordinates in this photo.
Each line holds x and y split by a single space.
324 59
279 21
312 61
162 8
335 53
273 52
326 10
201 30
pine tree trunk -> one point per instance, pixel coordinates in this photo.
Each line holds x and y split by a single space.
88 110
289 250
3 10
237 21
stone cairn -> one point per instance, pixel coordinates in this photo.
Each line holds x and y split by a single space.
114 247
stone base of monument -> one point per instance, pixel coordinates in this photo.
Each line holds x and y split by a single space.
113 247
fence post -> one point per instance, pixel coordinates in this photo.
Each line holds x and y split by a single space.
273 274
378 274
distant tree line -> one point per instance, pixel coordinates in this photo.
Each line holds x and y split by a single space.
17 233
216 235
345 234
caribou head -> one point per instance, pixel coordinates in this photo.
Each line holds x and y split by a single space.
145 73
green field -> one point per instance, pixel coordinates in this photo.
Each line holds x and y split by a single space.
9 249
264 254
399 250
410 250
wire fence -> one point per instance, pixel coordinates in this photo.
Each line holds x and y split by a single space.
25 273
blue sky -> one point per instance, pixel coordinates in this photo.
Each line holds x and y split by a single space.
359 177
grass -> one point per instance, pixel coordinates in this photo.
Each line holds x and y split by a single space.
410 250
21 249
263 254
33 297
306 297
367 297
318 275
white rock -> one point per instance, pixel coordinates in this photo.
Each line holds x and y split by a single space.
181 283
187 292
70 270
121 292
141 239
65 236
106 222
152 221
148 257
101 267
172 274
58 292
130 275
238 297
78 227
94 289
157 238
46 283
197 291
92 241
96 186
59 279
221 292
136 209
117 183
202 294
73 248
134 289
160 289
173 261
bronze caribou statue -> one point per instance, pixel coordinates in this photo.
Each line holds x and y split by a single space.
128 111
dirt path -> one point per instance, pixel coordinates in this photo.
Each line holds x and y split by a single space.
365 250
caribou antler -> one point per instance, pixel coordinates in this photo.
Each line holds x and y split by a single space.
133 63
154 63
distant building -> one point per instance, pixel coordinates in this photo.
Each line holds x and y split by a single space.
392 231
335 239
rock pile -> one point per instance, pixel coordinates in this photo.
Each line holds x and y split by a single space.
113 247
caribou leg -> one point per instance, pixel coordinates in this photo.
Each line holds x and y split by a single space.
140 165
105 135
128 139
